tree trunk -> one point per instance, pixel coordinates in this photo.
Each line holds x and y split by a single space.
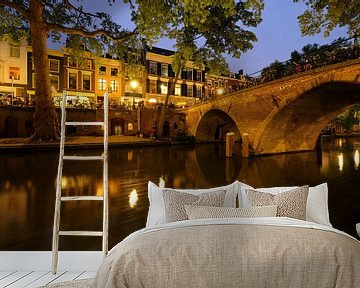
45 117
163 110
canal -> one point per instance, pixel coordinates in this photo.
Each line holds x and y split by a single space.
27 187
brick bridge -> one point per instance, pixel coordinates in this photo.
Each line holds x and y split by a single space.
285 115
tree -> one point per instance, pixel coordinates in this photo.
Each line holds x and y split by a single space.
325 15
38 20
202 31
349 118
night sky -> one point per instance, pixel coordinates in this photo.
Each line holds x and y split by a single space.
278 34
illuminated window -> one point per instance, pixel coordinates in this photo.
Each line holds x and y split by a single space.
152 87
15 51
54 65
72 81
189 91
130 126
86 82
114 85
164 88
178 89
199 91
209 83
152 67
164 70
102 84
54 81
14 73
102 70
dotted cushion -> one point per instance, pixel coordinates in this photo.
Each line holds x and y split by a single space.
201 212
175 201
290 204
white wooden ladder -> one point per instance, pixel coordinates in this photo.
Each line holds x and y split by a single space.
59 198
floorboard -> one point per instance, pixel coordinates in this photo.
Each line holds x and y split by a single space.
28 279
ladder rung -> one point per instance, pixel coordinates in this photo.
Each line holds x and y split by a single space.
85 123
81 233
83 157
79 198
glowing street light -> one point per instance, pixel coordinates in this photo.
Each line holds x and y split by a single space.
220 91
134 84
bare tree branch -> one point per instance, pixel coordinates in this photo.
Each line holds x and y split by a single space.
90 34
71 6
18 7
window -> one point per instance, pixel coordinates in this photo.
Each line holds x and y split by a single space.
164 88
114 85
130 126
15 51
102 70
54 81
190 90
114 71
209 83
54 65
72 80
152 87
178 89
199 91
14 73
164 70
72 62
232 75
189 74
198 75
152 67
87 64
102 84
216 83
86 82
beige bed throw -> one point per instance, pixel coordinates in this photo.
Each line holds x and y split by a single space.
233 254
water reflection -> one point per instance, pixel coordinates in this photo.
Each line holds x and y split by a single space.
27 187
356 159
341 161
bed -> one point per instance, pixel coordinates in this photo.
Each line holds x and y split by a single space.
231 251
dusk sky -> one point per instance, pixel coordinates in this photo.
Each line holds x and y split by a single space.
278 34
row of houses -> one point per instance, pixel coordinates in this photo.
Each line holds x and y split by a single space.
87 80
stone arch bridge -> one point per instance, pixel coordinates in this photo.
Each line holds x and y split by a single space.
286 115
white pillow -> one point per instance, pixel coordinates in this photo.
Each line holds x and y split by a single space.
316 207
156 214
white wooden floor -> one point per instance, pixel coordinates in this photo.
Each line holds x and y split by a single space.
32 268
31 279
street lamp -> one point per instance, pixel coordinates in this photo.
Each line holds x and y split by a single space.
220 91
133 84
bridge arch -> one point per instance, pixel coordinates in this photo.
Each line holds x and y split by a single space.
297 125
214 125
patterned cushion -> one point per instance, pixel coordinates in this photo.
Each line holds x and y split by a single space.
201 212
290 204
174 202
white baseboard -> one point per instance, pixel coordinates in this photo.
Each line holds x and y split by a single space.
41 260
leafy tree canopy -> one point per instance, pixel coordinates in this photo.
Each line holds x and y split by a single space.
325 15
202 30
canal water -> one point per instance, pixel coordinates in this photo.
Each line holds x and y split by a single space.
27 187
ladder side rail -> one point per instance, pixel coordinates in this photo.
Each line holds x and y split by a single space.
105 176
55 242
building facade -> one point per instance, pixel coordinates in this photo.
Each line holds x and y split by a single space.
13 73
219 85
160 75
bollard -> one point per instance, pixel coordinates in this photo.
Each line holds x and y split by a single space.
229 145
245 146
